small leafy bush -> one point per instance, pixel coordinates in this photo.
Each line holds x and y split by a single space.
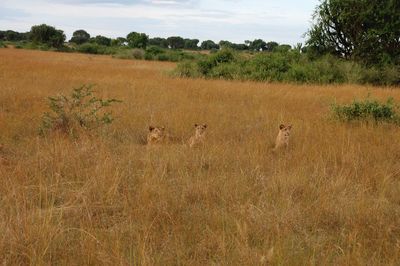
367 110
80 110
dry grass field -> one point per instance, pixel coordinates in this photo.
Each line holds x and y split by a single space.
106 199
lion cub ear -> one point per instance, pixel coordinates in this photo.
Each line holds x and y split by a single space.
151 128
289 127
195 125
205 125
282 126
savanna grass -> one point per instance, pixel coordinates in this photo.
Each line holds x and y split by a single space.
106 198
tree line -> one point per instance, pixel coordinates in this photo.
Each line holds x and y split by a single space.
365 31
56 38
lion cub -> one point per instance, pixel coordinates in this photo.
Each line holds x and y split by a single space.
199 135
156 135
282 140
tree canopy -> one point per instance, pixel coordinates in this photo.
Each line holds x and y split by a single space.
137 40
48 35
176 42
191 44
80 36
101 40
364 30
209 45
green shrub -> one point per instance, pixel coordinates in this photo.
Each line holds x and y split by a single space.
148 56
162 57
123 53
223 56
138 54
89 48
94 48
367 110
225 71
80 110
267 67
186 69
154 50
391 75
206 64
289 66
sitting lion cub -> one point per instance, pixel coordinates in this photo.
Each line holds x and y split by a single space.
199 135
282 140
156 135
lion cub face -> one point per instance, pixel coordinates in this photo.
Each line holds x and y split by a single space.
199 135
200 129
282 140
156 135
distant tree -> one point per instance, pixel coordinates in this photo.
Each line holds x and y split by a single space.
120 41
235 46
137 40
258 45
80 36
191 44
282 48
47 35
160 42
240 46
225 44
209 45
10 35
101 40
271 46
365 30
176 42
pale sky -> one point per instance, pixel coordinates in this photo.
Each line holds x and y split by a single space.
284 21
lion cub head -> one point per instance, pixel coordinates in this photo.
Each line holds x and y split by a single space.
199 135
282 140
156 135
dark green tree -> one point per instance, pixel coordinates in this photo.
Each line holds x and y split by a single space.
160 42
234 46
209 45
48 35
365 30
225 44
80 36
271 46
137 40
258 45
176 42
101 40
191 44
11 35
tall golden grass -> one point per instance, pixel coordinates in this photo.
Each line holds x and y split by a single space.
106 199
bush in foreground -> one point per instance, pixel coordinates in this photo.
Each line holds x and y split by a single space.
80 110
